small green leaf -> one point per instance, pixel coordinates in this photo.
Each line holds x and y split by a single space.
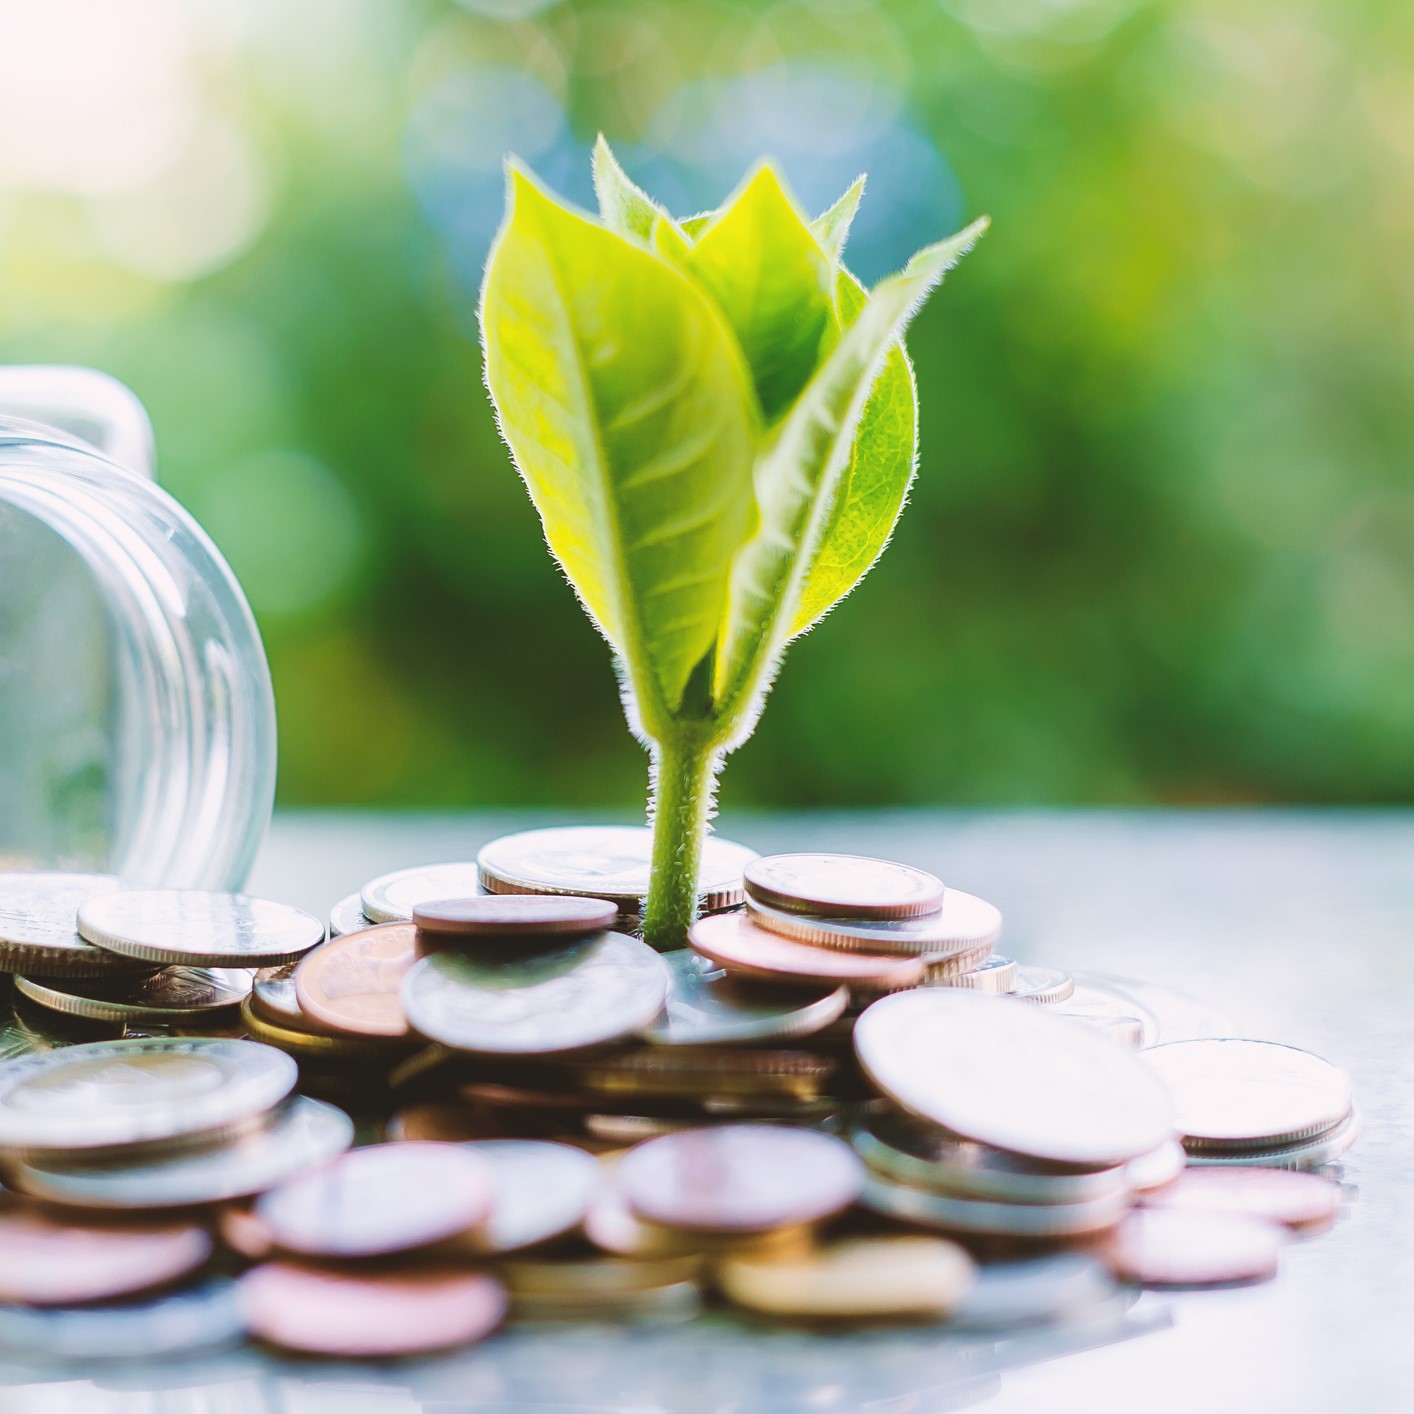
831 227
759 259
624 399
875 484
623 206
798 477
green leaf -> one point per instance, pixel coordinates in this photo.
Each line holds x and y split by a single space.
623 206
831 227
798 478
874 486
625 402
759 259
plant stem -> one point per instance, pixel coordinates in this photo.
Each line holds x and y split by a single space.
684 777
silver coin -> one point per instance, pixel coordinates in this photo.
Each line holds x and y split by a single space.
1233 1093
963 924
1176 1016
1158 1168
925 1157
1012 1077
598 990
994 975
1040 1221
300 1135
706 1006
603 861
1041 986
1119 1016
347 916
198 928
110 1093
842 886
391 898
541 1189
1034 1291
196 1320
1307 1154
274 994
173 994
39 925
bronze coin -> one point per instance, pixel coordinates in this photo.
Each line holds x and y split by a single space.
733 942
48 1262
1168 1247
370 1315
1304 1201
740 1178
516 915
351 983
380 1200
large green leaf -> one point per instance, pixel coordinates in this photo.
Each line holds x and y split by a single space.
798 477
761 261
626 404
875 483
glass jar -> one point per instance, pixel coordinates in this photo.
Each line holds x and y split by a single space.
137 723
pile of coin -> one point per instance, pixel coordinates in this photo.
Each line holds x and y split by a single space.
838 1101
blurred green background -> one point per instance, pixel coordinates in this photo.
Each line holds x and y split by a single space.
1161 547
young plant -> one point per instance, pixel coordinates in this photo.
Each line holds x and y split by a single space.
718 426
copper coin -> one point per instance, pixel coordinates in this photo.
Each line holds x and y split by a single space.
1166 1247
370 1315
517 915
352 983
380 1200
842 886
1304 1201
45 1262
740 1178
733 942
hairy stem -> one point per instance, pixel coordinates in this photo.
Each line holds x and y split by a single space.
684 778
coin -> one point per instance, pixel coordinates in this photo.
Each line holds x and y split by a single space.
316 1044
198 1319
739 1178
301 1135
994 975
912 1152
1034 1291
1175 1016
1026 1221
950 971
670 1304
1157 1247
540 1190
244 1233
963 924
347 916
595 1277
706 1006
351 983
597 990
842 886
1012 1077
1310 1153
173 994
515 916
702 1071
391 898
866 1277
109 1093
273 995
197 928
39 930
48 1262
1238 1094
1304 1201
1041 986
1122 1015
1156 1169
733 942
369 1314
602 861
375 1201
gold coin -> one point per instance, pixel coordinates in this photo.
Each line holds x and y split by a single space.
596 1276
853 1277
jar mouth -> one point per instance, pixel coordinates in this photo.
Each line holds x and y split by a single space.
189 730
